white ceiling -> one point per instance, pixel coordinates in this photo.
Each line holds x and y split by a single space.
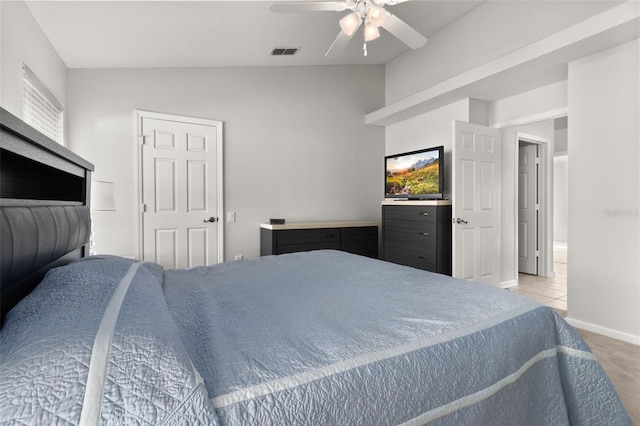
138 34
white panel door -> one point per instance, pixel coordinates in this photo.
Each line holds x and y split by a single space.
476 203
528 209
181 203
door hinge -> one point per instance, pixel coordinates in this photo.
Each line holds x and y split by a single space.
142 139
144 208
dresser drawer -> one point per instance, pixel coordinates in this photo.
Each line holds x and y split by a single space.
360 240
293 248
409 257
402 231
365 233
309 236
413 249
363 248
294 240
411 214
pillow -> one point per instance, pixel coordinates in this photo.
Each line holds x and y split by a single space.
95 342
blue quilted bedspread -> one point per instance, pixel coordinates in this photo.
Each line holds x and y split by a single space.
318 338
329 338
94 343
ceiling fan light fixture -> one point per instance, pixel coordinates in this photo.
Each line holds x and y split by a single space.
376 15
371 32
350 23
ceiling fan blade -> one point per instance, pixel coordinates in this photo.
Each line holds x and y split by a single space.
308 6
340 44
403 32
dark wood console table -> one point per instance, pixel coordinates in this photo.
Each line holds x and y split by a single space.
354 237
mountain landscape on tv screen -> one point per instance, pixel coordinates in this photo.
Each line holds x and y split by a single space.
422 177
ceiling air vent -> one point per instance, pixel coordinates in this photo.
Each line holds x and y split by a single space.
283 51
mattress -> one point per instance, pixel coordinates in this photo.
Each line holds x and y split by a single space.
317 338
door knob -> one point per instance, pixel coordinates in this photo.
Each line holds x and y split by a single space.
211 219
459 221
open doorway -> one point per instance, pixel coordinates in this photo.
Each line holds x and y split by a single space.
542 238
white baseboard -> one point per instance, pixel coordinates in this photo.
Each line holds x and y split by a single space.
614 334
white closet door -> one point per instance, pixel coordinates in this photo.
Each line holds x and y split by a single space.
182 206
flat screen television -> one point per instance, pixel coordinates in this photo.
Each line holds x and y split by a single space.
415 175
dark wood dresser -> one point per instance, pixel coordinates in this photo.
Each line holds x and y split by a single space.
417 234
353 237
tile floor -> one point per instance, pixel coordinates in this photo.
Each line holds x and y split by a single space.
551 291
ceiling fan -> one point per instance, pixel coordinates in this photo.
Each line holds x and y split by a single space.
371 12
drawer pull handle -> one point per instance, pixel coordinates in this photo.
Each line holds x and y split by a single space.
424 234
421 257
424 213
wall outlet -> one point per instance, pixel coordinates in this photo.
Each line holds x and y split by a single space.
239 257
231 216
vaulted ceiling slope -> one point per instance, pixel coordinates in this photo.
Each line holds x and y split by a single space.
141 34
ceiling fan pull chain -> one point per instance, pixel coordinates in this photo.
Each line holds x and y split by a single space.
364 48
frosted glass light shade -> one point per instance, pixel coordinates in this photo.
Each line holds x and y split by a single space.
350 23
376 15
371 32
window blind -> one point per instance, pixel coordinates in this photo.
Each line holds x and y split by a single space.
40 109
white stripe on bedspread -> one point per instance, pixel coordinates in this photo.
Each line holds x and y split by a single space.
292 381
92 403
445 410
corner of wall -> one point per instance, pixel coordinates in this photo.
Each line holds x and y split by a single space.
479 112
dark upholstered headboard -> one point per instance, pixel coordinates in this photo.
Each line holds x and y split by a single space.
44 208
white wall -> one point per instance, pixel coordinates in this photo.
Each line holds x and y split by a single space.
295 142
560 198
530 106
604 194
560 183
22 41
561 141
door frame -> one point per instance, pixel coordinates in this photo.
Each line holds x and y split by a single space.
545 191
517 123
139 139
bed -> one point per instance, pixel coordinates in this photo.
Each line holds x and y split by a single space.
316 338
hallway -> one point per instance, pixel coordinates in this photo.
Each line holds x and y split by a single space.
550 291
